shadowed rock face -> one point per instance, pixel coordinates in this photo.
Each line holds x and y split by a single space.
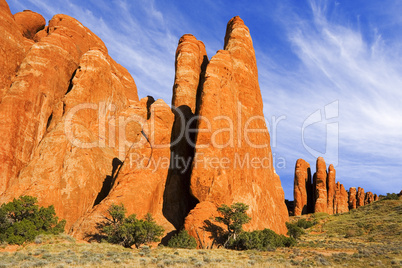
76 136
191 61
302 188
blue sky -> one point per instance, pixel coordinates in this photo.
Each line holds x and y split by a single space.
333 67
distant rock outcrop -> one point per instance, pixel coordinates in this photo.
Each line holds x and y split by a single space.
369 198
331 207
302 188
320 185
360 197
341 199
324 188
352 197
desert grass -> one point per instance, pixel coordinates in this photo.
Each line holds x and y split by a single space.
367 236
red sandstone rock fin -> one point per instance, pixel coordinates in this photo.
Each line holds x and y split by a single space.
231 89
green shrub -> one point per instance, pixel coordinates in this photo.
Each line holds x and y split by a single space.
265 240
129 231
235 238
182 240
303 223
389 196
294 230
22 220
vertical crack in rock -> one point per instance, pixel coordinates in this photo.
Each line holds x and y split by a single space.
71 84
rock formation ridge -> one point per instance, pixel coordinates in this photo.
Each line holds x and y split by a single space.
324 194
75 134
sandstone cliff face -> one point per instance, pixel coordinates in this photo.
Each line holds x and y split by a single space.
75 174
42 81
30 23
231 91
139 183
352 197
75 135
302 188
11 54
57 74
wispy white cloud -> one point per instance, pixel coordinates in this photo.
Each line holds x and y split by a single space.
338 63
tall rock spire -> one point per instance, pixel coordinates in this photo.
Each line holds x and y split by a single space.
232 132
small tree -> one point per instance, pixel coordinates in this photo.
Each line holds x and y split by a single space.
22 220
182 240
261 240
129 231
294 230
233 217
